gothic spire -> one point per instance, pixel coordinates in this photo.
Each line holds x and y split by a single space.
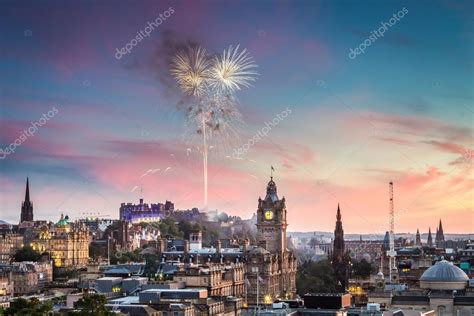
418 238
339 258
430 238
440 232
27 192
26 207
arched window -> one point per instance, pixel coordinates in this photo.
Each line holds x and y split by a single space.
441 310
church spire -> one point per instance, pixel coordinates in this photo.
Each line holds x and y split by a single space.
27 206
418 238
440 232
430 238
27 193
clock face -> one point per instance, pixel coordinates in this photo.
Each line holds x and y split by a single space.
268 215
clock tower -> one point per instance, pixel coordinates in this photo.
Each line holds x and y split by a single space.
271 221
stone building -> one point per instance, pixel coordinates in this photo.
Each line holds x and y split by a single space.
10 242
340 258
220 280
443 288
30 277
66 243
6 285
270 265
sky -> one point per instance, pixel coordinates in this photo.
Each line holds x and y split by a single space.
401 110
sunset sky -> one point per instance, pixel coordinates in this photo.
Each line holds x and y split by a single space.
402 111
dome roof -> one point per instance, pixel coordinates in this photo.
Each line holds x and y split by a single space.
444 276
444 271
63 221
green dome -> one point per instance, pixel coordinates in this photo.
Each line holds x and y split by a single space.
63 221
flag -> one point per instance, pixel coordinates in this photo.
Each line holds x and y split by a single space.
273 169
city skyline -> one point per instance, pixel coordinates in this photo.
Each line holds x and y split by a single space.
400 111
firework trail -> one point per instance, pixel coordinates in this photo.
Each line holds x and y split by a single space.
211 83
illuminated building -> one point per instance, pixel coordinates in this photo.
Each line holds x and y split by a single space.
142 212
66 243
6 285
271 267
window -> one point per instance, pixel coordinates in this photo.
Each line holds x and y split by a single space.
441 310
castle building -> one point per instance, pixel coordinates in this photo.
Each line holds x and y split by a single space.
27 206
142 212
339 258
270 265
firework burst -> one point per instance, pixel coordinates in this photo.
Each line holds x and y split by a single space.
190 67
211 83
232 71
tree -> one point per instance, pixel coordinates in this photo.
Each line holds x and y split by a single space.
168 228
27 253
32 307
361 269
94 250
314 277
91 304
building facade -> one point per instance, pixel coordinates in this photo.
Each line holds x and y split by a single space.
66 243
31 277
142 212
10 242
270 265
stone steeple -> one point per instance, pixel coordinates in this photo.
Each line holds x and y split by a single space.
430 238
439 235
418 238
27 206
338 249
339 257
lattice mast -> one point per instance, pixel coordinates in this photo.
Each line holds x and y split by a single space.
392 253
